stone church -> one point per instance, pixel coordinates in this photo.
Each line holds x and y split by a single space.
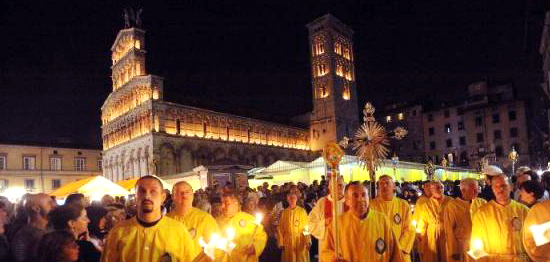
145 134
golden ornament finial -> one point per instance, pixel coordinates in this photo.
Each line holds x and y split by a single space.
368 112
333 154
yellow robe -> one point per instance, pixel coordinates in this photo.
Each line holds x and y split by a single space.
398 212
129 241
499 229
290 235
432 237
368 239
476 204
244 226
457 222
198 223
539 214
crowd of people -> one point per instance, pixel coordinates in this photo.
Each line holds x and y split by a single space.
406 221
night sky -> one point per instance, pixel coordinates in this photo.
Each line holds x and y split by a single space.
251 57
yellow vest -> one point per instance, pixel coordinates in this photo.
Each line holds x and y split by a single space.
198 223
499 229
131 242
290 235
244 226
398 212
369 239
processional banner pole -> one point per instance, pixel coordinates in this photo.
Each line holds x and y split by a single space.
332 155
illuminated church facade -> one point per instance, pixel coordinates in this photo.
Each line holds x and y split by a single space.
145 134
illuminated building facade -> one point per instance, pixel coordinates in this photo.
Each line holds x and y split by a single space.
144 134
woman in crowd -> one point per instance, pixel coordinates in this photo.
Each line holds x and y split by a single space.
529 192
73 218
58 246
97 227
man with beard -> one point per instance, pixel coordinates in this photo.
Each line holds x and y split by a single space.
457 220
25 241
365 234
398 212
430 215
149 236
497 225
250 237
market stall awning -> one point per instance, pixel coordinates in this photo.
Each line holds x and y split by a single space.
130 184
92 186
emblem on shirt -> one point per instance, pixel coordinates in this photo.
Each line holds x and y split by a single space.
397 218
242 223
193 232
380 246
166 258
516 223
296 223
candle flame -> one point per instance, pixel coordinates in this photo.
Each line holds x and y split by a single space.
477 244
259 218
230 233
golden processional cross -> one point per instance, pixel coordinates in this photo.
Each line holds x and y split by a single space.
371 145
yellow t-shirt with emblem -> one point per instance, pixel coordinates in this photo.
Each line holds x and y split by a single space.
398 212
499 229
244 226
539 214
167 240
198 223
368 239
457 221
290 235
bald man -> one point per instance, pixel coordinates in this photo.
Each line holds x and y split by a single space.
457 220
399 213
430 215
498 224
365 234
25 241
198 223
149 236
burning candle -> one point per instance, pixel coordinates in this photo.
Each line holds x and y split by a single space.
306 231
541 233
259 218
477 251
230 233
477 244
415 225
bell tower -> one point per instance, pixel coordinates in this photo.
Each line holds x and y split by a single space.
335 112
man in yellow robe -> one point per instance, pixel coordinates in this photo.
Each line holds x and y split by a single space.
250 237
398 212
497 225
290 232
430 215
365 234
149 236
198 223
457 220
539 214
